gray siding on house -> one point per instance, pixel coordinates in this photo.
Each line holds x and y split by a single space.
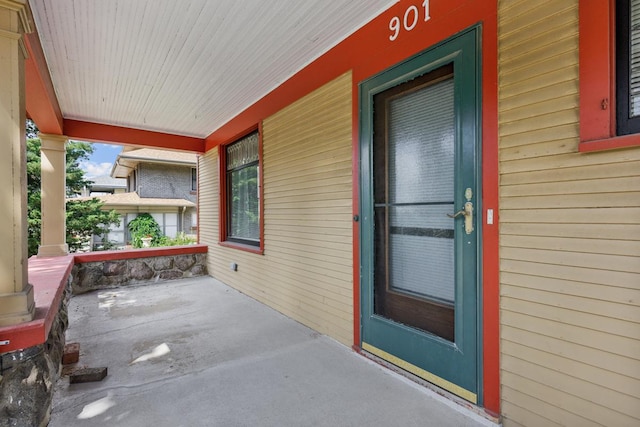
165 181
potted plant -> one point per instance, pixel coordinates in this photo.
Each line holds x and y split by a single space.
145 231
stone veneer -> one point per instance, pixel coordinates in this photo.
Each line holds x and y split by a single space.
90 276
27 376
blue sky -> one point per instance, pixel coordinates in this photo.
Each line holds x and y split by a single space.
101 160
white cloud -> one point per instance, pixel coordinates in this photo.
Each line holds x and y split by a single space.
93 169
110 146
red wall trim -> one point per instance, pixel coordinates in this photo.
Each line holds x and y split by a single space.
48 277
355 211
596 72
140 253
597 79
222 197
614 143
222 194
367 52
490 233
96 132
41 101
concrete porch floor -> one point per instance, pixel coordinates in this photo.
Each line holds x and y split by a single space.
198 353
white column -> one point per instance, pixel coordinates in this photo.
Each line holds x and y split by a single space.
16 295
53 207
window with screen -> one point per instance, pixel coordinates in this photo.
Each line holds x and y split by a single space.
194 179
242 190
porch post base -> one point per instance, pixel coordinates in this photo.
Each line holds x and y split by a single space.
53 250
18 307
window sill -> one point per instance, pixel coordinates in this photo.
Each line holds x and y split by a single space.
613 143
241 247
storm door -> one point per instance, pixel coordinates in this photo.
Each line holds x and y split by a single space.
419 205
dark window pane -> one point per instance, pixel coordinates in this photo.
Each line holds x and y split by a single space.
243 197
245 211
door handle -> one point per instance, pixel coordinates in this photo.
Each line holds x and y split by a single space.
468 217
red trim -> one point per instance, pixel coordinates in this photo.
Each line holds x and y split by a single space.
48 277
261 187
41 101
140 253
614 143
490 233
355 200
241 247
596 72
222 194
222 226
199 158
97 132
367 52
597 79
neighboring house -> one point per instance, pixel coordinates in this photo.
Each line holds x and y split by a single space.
159 182
103 185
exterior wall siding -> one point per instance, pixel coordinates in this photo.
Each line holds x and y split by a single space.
165 181
569 237
306 271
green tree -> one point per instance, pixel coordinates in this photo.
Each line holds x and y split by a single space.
84 217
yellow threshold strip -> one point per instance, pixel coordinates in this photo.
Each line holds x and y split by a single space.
440 382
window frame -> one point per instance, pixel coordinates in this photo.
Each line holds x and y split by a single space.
597 60
194 180
224 239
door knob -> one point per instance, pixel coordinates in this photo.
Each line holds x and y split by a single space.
468 217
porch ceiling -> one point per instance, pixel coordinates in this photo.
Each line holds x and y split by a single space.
183 67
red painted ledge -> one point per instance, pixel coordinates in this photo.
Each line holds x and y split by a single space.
49 277
614 143
140 253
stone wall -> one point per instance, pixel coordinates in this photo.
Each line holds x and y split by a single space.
27 376
90 276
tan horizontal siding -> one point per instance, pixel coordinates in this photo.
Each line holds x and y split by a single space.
208 200
587 231
570 160
569 237
306 271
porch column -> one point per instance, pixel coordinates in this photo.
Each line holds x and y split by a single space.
16 294
53 229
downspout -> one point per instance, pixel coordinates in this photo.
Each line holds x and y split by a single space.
184 208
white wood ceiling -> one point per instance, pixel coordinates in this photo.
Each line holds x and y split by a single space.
184 66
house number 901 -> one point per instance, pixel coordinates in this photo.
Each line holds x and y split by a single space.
409 20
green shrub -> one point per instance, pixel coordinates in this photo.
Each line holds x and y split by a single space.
180 240
144 225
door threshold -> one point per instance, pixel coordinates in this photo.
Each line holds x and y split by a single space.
452 400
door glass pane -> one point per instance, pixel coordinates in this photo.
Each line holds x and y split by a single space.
420 192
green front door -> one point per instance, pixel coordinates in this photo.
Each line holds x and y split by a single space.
419 159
